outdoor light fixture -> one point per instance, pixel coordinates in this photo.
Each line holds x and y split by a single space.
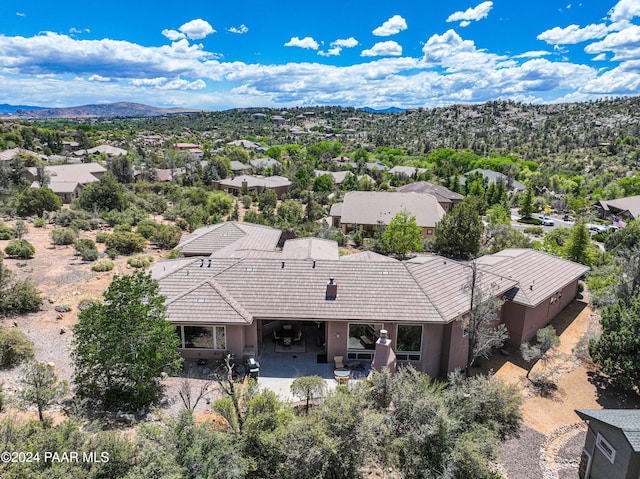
338 335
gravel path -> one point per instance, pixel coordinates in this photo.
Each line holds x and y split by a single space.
519 455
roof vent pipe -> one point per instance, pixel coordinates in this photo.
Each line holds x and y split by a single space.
201 262
209 264
332 290
314 264
282 265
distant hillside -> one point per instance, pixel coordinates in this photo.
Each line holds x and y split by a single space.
392 109
6 108
107 110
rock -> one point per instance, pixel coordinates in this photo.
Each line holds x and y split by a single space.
53 365
86 304
163 375
63 329
51 300
59 317
62 308
125 417
15 323
142 413
165 402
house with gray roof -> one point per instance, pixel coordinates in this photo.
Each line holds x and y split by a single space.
447 198
493 176
67 181
228 237
363 210
234 298
408 171
236 185
239 168
627 208
612 445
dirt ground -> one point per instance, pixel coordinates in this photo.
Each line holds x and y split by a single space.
550 426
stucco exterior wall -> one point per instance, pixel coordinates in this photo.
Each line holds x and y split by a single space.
454 348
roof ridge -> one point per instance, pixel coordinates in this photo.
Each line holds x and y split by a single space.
424 291
173 271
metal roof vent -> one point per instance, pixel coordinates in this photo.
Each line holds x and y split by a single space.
209 264
201 262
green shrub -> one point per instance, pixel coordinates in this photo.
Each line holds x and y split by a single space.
140 261
530 221
534 230
86 249
7 233
20 249
15 347
63 236
126 243
130 216
112 253
39 223
81 225
146 228
102 237
166 237
174 253
102 265
65 216
122 228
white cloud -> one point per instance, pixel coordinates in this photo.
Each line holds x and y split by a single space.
599 58
624 44
173 35
20 14
99 78
346 43
306 42
197 29
240 30
331 52
394 25
471 14
383 49
573 34
533 54
625 10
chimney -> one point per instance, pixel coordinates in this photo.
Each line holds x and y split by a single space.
332 290
384 356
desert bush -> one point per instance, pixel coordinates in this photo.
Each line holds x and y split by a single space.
7 233
122 228
63 236
102 237
102 265
111 253
130 216
65 216
20 249
166 237
15 347
146 228
86 249
140 261
126 242
174 253
81 225
39 223
534 230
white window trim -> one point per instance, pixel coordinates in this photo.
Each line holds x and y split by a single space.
603 444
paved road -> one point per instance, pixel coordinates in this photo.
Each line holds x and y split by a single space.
559 223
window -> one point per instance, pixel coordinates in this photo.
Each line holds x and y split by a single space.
429 231
409 342
202 337
556 297
363 335
606 448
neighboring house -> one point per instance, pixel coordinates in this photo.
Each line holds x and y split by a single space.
235 186
338 177
239 168
378 165
493 176
233 299
627 208
102 149
192 148
612 446
409 171
261 163
363 210
447 198
67 181
229 236
9 155
248 145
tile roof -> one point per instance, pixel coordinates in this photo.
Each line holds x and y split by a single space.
106 149
369 207
225 237
538 274
627 420
310 248
442 193
254 181
294 289
630 204
493 176
82 173
264 162
406 170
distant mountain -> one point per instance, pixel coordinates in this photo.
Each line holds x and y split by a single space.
392 109
6 108
107 110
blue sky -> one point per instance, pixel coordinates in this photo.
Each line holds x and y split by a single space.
248 53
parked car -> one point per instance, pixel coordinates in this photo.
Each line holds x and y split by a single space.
546 221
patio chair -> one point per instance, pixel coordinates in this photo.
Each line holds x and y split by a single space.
298 336
339 360
276 336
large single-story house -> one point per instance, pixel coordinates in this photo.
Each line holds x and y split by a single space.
102 149
8 155
494 176
612 446
447 198
233 300
408 171
627 208
363 210
67 181
235 186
